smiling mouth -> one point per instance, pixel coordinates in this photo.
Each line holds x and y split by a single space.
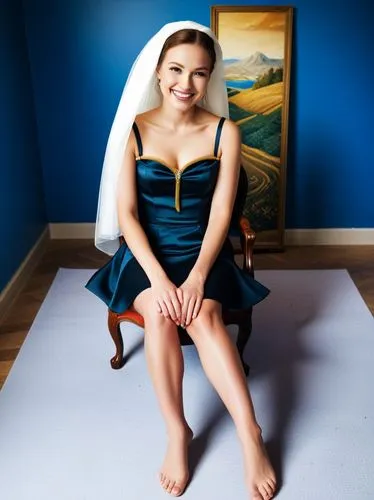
182 96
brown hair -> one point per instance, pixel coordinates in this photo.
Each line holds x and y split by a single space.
189 36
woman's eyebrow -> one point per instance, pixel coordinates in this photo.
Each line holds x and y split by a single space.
181 65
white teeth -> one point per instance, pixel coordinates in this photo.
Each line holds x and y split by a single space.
181 94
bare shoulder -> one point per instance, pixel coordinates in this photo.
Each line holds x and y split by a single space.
141 117
205 117
147 118
231 137
144 121
230 130
131 147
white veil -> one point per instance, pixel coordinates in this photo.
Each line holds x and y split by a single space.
139 95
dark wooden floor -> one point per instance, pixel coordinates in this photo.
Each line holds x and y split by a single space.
358 260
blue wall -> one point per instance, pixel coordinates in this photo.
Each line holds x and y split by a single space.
81 52
22 210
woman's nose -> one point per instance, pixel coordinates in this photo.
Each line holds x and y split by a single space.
186 81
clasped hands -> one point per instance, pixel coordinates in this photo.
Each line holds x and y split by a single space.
182 304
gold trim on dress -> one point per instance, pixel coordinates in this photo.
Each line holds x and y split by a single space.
177 171
178 191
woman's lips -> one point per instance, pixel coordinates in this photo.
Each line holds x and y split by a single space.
182 96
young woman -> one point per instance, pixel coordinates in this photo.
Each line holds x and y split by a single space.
174 185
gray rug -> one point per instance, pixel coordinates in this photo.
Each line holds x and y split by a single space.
71 428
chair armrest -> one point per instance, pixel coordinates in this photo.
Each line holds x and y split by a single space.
247 241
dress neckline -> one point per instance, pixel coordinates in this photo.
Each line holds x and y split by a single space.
176 170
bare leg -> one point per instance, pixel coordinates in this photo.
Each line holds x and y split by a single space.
222 365
166 367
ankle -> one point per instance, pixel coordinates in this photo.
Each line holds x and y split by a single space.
178 430
252 433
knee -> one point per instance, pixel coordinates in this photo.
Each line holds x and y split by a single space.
153 320
156 322
207 321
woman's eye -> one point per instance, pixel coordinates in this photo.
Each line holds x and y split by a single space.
178 70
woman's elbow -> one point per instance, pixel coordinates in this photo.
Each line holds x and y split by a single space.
127 217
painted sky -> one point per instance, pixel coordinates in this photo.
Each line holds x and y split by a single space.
243 33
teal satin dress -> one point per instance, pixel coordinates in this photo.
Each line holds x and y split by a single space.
173 207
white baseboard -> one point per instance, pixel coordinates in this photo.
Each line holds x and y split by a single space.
20 277
293 237
341 236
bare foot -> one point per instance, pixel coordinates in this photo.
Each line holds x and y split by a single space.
260 476
174 473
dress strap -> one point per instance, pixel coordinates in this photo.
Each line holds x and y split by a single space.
138 139
218 135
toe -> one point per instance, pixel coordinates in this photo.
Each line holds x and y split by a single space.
272 483
177 490
171 486
256 495
166 483
267 490
263 493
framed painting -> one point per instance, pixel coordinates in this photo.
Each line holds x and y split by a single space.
256 44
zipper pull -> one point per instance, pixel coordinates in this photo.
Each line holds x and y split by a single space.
177 191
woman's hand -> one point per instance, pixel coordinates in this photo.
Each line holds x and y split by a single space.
167 297
192 295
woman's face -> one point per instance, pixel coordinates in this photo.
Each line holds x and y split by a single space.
184 75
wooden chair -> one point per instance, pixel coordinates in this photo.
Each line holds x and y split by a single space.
239 226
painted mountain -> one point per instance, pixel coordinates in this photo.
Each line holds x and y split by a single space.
226 62
250 67
258 113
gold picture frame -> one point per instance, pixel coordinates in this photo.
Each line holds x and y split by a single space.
256 42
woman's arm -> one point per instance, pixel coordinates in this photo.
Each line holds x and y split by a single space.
164 291
223 200
128 218
218 224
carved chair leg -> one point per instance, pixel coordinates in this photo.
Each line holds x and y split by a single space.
245 328
114 327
